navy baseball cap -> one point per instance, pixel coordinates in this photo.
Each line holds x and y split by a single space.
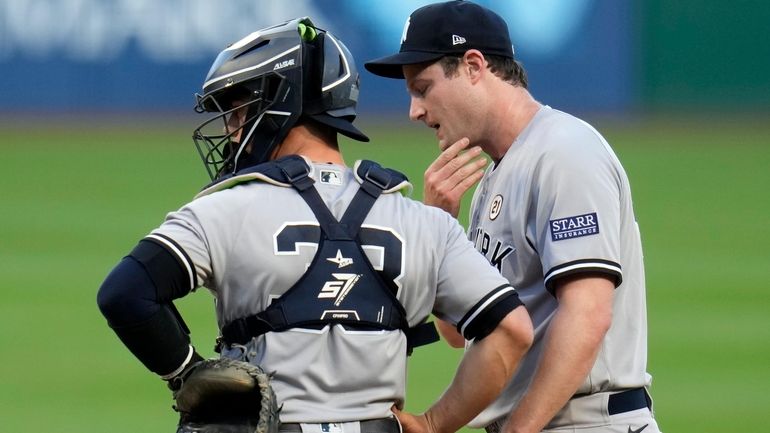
440 29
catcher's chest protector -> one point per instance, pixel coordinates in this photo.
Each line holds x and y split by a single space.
351 291
340 285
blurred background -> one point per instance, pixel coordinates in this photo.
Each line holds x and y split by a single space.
96 117
598 56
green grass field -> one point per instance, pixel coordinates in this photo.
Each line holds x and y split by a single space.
76 198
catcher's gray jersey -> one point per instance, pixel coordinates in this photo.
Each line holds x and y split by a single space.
559 203
250 243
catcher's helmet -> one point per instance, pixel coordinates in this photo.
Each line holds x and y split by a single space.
278 75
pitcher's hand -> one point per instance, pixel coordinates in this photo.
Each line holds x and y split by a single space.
453 173
412 423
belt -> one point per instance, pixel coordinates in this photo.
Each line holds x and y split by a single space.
624 401
629 400
382 425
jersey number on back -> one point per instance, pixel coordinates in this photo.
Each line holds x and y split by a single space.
383 246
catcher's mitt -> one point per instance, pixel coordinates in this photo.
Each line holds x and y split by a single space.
224 396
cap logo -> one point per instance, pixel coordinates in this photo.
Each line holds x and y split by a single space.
406 29
457 40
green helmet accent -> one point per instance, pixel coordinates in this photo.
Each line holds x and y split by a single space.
307 33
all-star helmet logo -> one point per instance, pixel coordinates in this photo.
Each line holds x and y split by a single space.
340 261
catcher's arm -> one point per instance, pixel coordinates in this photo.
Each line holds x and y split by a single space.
485 368
135 298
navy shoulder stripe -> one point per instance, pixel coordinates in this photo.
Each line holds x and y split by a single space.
608 267
468 323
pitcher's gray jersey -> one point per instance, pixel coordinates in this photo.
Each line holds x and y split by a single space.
556 204
250 243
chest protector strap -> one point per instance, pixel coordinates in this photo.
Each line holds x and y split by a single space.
340 286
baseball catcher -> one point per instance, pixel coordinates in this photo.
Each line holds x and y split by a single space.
224 396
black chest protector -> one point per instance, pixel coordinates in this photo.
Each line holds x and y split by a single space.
340 286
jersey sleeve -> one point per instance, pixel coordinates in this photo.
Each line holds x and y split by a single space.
576 226
471 293
182 233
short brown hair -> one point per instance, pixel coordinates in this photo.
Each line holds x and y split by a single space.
506 68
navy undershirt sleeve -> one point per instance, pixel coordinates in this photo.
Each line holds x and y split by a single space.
146 322
128 295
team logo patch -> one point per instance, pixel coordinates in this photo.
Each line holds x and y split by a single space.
331 177
496 207
574 227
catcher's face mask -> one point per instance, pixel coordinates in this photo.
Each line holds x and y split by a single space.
264 71
279 73
244 130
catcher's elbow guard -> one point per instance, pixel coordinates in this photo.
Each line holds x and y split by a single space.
225 396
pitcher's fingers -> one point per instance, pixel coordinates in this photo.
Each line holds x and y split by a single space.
468 182
448 154
460 166
469 168
461 160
